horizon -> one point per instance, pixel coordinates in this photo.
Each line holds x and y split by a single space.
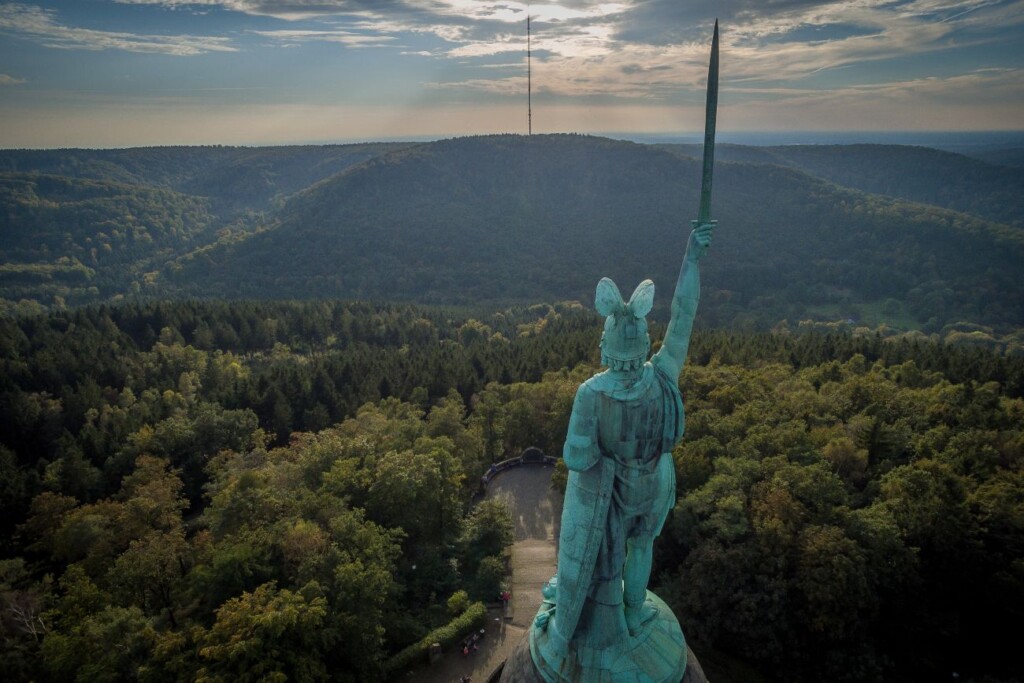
129 73
944 140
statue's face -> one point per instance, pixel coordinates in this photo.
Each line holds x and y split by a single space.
625 338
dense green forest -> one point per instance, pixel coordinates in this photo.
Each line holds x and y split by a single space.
215 491
233 178
807 233
71 241
201 479
547 217
917 174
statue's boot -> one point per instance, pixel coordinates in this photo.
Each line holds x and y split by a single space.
638 615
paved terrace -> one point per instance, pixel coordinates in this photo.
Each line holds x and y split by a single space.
536 509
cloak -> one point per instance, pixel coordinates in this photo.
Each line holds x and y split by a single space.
590 489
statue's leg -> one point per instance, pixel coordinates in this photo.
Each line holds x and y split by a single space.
640 547
639 556
636 574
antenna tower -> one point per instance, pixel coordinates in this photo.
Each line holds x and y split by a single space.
529 77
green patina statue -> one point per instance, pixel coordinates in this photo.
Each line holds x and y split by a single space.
598 621
625 422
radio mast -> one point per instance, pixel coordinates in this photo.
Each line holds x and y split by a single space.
529 77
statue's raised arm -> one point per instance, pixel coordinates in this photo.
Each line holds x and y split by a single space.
672 355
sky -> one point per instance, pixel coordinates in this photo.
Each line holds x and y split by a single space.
121 73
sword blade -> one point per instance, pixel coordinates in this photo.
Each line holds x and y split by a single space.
711 111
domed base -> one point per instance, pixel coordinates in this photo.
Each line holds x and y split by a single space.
519 667
655 653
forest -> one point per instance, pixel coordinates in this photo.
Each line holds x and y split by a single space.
917 174
872 236
211 490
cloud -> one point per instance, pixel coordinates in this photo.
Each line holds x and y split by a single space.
634 49
418 11
886 31
347 38
38 24
769 40
10 80
998 85
291 10
982 85
658 49
985 99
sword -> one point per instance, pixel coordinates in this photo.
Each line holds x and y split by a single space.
711 110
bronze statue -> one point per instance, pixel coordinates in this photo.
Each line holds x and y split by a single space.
599 621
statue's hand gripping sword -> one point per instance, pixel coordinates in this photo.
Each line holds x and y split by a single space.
711 110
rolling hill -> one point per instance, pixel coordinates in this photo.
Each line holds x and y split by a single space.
917 174
233 178
81 239
906 236
512 218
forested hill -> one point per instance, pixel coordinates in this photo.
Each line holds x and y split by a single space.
1013 156
513 219
918 174
62 237
235 178
510 218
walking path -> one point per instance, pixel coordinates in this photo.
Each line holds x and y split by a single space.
536 509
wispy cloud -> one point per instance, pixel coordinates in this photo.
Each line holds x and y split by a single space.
982 86
643 51
582 43
10 80
984 99
511 11
1002 85
347 38
658 48
36 23
290 10
887 31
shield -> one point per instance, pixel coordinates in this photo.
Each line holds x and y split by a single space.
584 515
